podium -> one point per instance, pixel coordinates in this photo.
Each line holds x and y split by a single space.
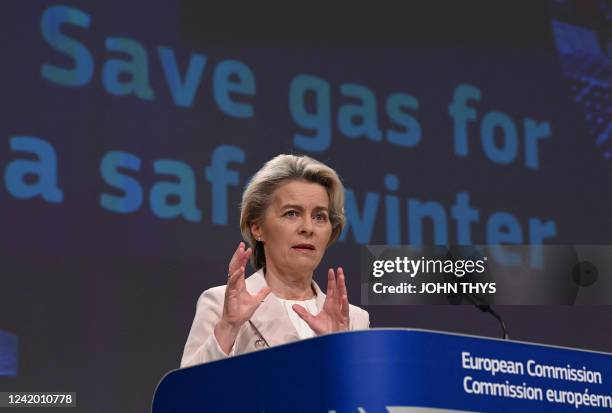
395 371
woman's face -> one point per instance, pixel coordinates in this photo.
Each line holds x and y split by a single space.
295 229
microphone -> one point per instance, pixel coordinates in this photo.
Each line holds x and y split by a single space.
473 253
486 308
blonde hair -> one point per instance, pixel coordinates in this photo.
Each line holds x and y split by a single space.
283 168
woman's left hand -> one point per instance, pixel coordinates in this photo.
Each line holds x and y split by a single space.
335 313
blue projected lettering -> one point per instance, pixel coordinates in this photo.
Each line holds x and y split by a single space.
417 212
243 84
220 177
363 225
319 120
182 91
541 230
397 104
464 215
44 169
538 232
50 24
231 79
503 228
533 132
311 109
319 110
109 166
506 153
461 114
170 199
184 190
359 120
498 227
492 121
137 67
392 209
175 197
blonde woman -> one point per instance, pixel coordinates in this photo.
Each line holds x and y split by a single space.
291 211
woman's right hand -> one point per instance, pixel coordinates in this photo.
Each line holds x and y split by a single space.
239 305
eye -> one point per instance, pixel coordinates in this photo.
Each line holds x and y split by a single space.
321 217
291 213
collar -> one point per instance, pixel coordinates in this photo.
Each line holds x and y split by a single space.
271 319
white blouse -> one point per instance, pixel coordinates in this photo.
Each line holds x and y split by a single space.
303 330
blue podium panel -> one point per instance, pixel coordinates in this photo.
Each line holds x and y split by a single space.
8 354
396 371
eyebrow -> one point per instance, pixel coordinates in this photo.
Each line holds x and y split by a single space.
300 208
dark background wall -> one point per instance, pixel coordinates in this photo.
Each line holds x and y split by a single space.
99 282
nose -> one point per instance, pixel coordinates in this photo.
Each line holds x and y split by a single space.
306 227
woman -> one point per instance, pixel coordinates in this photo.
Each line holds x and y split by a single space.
291 211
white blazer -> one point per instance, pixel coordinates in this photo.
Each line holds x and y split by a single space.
269 326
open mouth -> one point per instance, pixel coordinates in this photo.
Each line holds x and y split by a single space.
304 247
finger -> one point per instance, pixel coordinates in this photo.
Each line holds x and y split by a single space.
345 311
304 315
331 283
235 260
341 283
239 250
240 282
244 257
233 282
262 294
344 304
231 279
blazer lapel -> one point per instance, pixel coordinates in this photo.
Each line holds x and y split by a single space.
270 319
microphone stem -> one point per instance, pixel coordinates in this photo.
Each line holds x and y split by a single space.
486 308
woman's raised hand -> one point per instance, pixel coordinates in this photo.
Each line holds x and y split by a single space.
335 313
239 305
